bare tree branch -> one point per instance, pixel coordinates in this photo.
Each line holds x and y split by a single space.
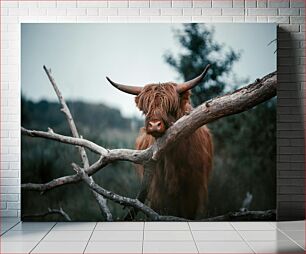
65 139
144 188
268 215
122 200
241 100
136 156
49 212
103 205
43 187
65 109
137 205
229 104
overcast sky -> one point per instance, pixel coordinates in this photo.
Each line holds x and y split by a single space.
81 55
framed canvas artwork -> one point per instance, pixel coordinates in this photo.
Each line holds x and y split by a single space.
148 122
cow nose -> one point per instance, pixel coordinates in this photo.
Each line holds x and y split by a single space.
155 127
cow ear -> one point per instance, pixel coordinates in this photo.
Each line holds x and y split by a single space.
185 96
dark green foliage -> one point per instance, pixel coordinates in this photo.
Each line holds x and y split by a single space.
198 50
245 144
44 160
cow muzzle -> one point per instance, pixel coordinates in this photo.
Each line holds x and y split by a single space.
156 128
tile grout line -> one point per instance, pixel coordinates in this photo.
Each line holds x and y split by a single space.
42 238
143 232
247 243
273 225
90 237
290 238
10 228
193 237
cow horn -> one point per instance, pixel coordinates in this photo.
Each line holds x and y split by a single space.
183 87
135 90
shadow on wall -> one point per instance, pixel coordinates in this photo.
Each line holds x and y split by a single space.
290 128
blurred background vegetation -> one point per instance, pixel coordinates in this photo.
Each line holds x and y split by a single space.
244 174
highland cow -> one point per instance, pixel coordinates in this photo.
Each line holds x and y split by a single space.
180 179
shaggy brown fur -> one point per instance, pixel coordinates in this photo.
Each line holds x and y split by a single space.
179 185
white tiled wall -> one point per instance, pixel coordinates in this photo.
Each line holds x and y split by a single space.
290 14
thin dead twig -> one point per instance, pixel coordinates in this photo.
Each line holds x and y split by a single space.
65 109
50 211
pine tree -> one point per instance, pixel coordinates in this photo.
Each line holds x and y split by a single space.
245 144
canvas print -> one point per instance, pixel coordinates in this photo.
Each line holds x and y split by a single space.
148 122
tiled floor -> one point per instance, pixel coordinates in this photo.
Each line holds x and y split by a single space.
153 237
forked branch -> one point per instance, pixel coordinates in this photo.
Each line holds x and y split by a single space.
50 211
65 109
135 203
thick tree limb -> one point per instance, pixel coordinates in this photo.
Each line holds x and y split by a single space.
49 212
65 109
241 100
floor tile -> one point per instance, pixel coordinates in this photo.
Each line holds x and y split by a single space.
216 236
8 224
276 247
273 223
120 226
60 247
301 243
166 226
69 236
291 225
295 234
23 236
223 247
274 235
33 226
69 226
3 230
99 236
211 226
167 235
5 226
17 247
9 220
114 247
248 225
169 247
